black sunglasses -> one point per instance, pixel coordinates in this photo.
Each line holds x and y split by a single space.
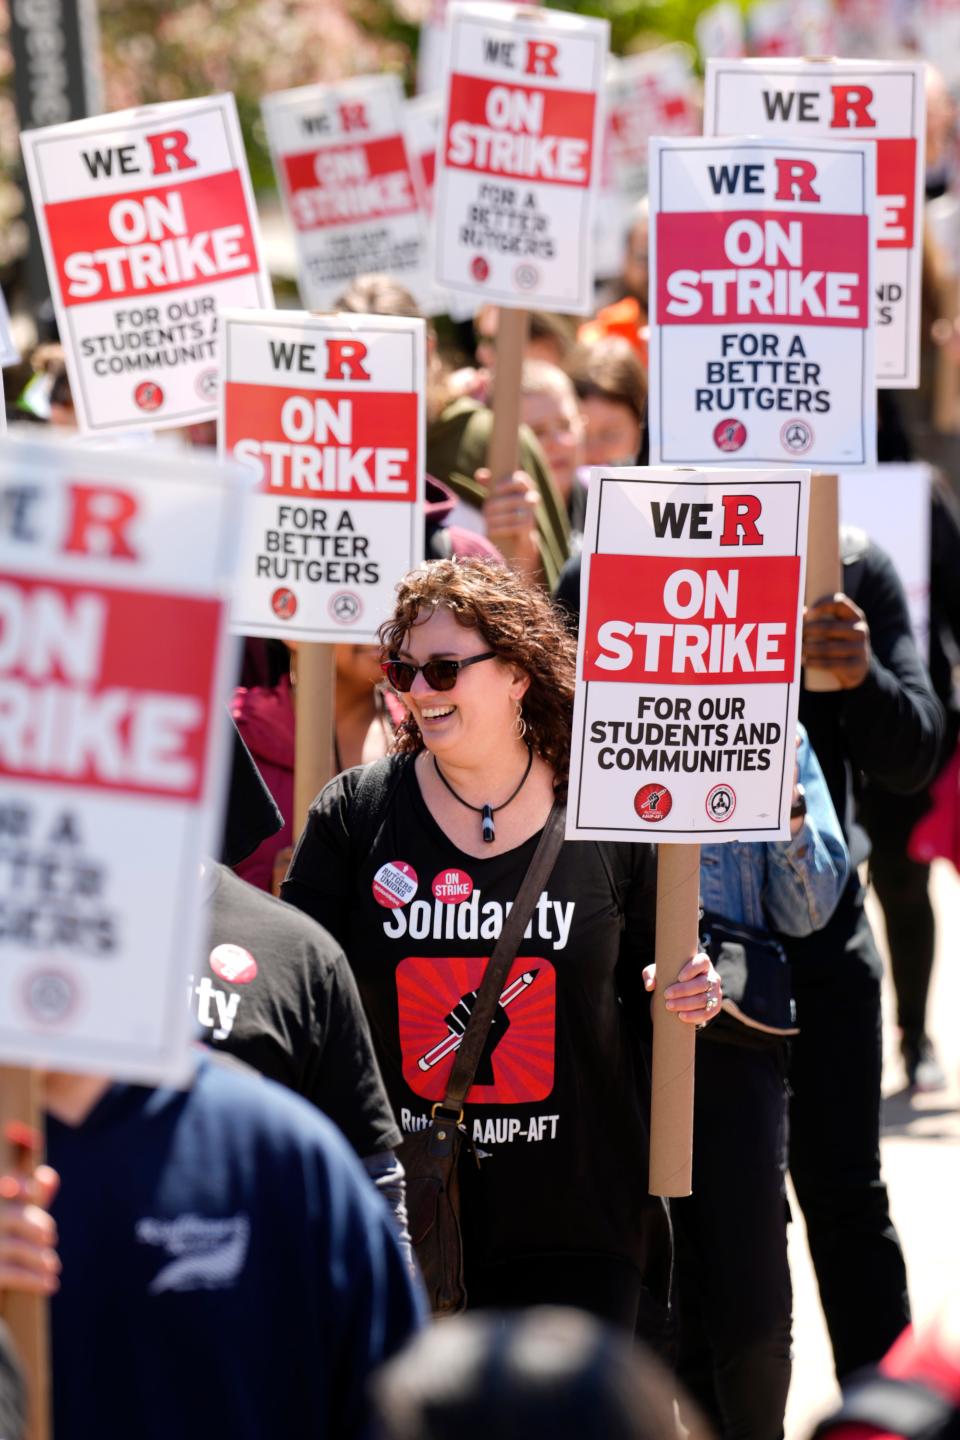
439 674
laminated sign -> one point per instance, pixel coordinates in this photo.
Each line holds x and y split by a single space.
351 195
329 411
114 671
148 227
688 663
761 303
520 156
882 102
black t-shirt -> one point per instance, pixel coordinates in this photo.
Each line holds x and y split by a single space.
277 992
558 1109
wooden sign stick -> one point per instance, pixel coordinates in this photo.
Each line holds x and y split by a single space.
674 1042
824 570
26 1315
503 453
314 702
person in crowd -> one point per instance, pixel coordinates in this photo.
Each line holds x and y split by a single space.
885 723
548 405
217 1260
275 991
612 389
904 830
547 1372
521 514
557 1209
735 1318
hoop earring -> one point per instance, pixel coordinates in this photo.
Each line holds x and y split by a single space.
519 724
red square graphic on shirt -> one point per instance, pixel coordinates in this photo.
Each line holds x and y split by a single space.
434 997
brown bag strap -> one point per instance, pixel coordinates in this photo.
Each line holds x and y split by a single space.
504 954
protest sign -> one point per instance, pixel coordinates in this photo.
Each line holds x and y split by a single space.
148 227
520 152
862 101
348 187
329 410
720 31
688 663
422 117
761 321
653 93
114 668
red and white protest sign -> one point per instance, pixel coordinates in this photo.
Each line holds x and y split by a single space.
653 93
422 118
864 101
329 411
148 227
688 663
347 183
520 154
760 303
114 670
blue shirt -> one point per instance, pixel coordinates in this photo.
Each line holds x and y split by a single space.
228 1269
791 886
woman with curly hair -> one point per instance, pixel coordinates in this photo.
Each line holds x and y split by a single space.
414 863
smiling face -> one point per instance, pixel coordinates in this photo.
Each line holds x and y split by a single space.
477 716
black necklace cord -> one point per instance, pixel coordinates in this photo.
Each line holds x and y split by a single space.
488 811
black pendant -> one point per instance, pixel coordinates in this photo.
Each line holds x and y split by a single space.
489 833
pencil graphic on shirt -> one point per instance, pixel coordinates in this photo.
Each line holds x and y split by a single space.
451 1040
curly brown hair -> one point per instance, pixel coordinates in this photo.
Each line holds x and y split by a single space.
518 622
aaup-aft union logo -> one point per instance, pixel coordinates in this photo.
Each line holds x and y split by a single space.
435 997
730 435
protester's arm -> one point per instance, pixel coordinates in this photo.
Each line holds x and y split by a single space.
390 1181
510 518
893 723
805 875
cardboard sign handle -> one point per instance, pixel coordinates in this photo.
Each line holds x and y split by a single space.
26 1315
674 1042
824 569
503 453
314 701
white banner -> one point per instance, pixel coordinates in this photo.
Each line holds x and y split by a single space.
148 227
520 156
688 662
861 100
761 333
114 671
348 187
329 410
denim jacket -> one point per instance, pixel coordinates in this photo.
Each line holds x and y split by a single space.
790 886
